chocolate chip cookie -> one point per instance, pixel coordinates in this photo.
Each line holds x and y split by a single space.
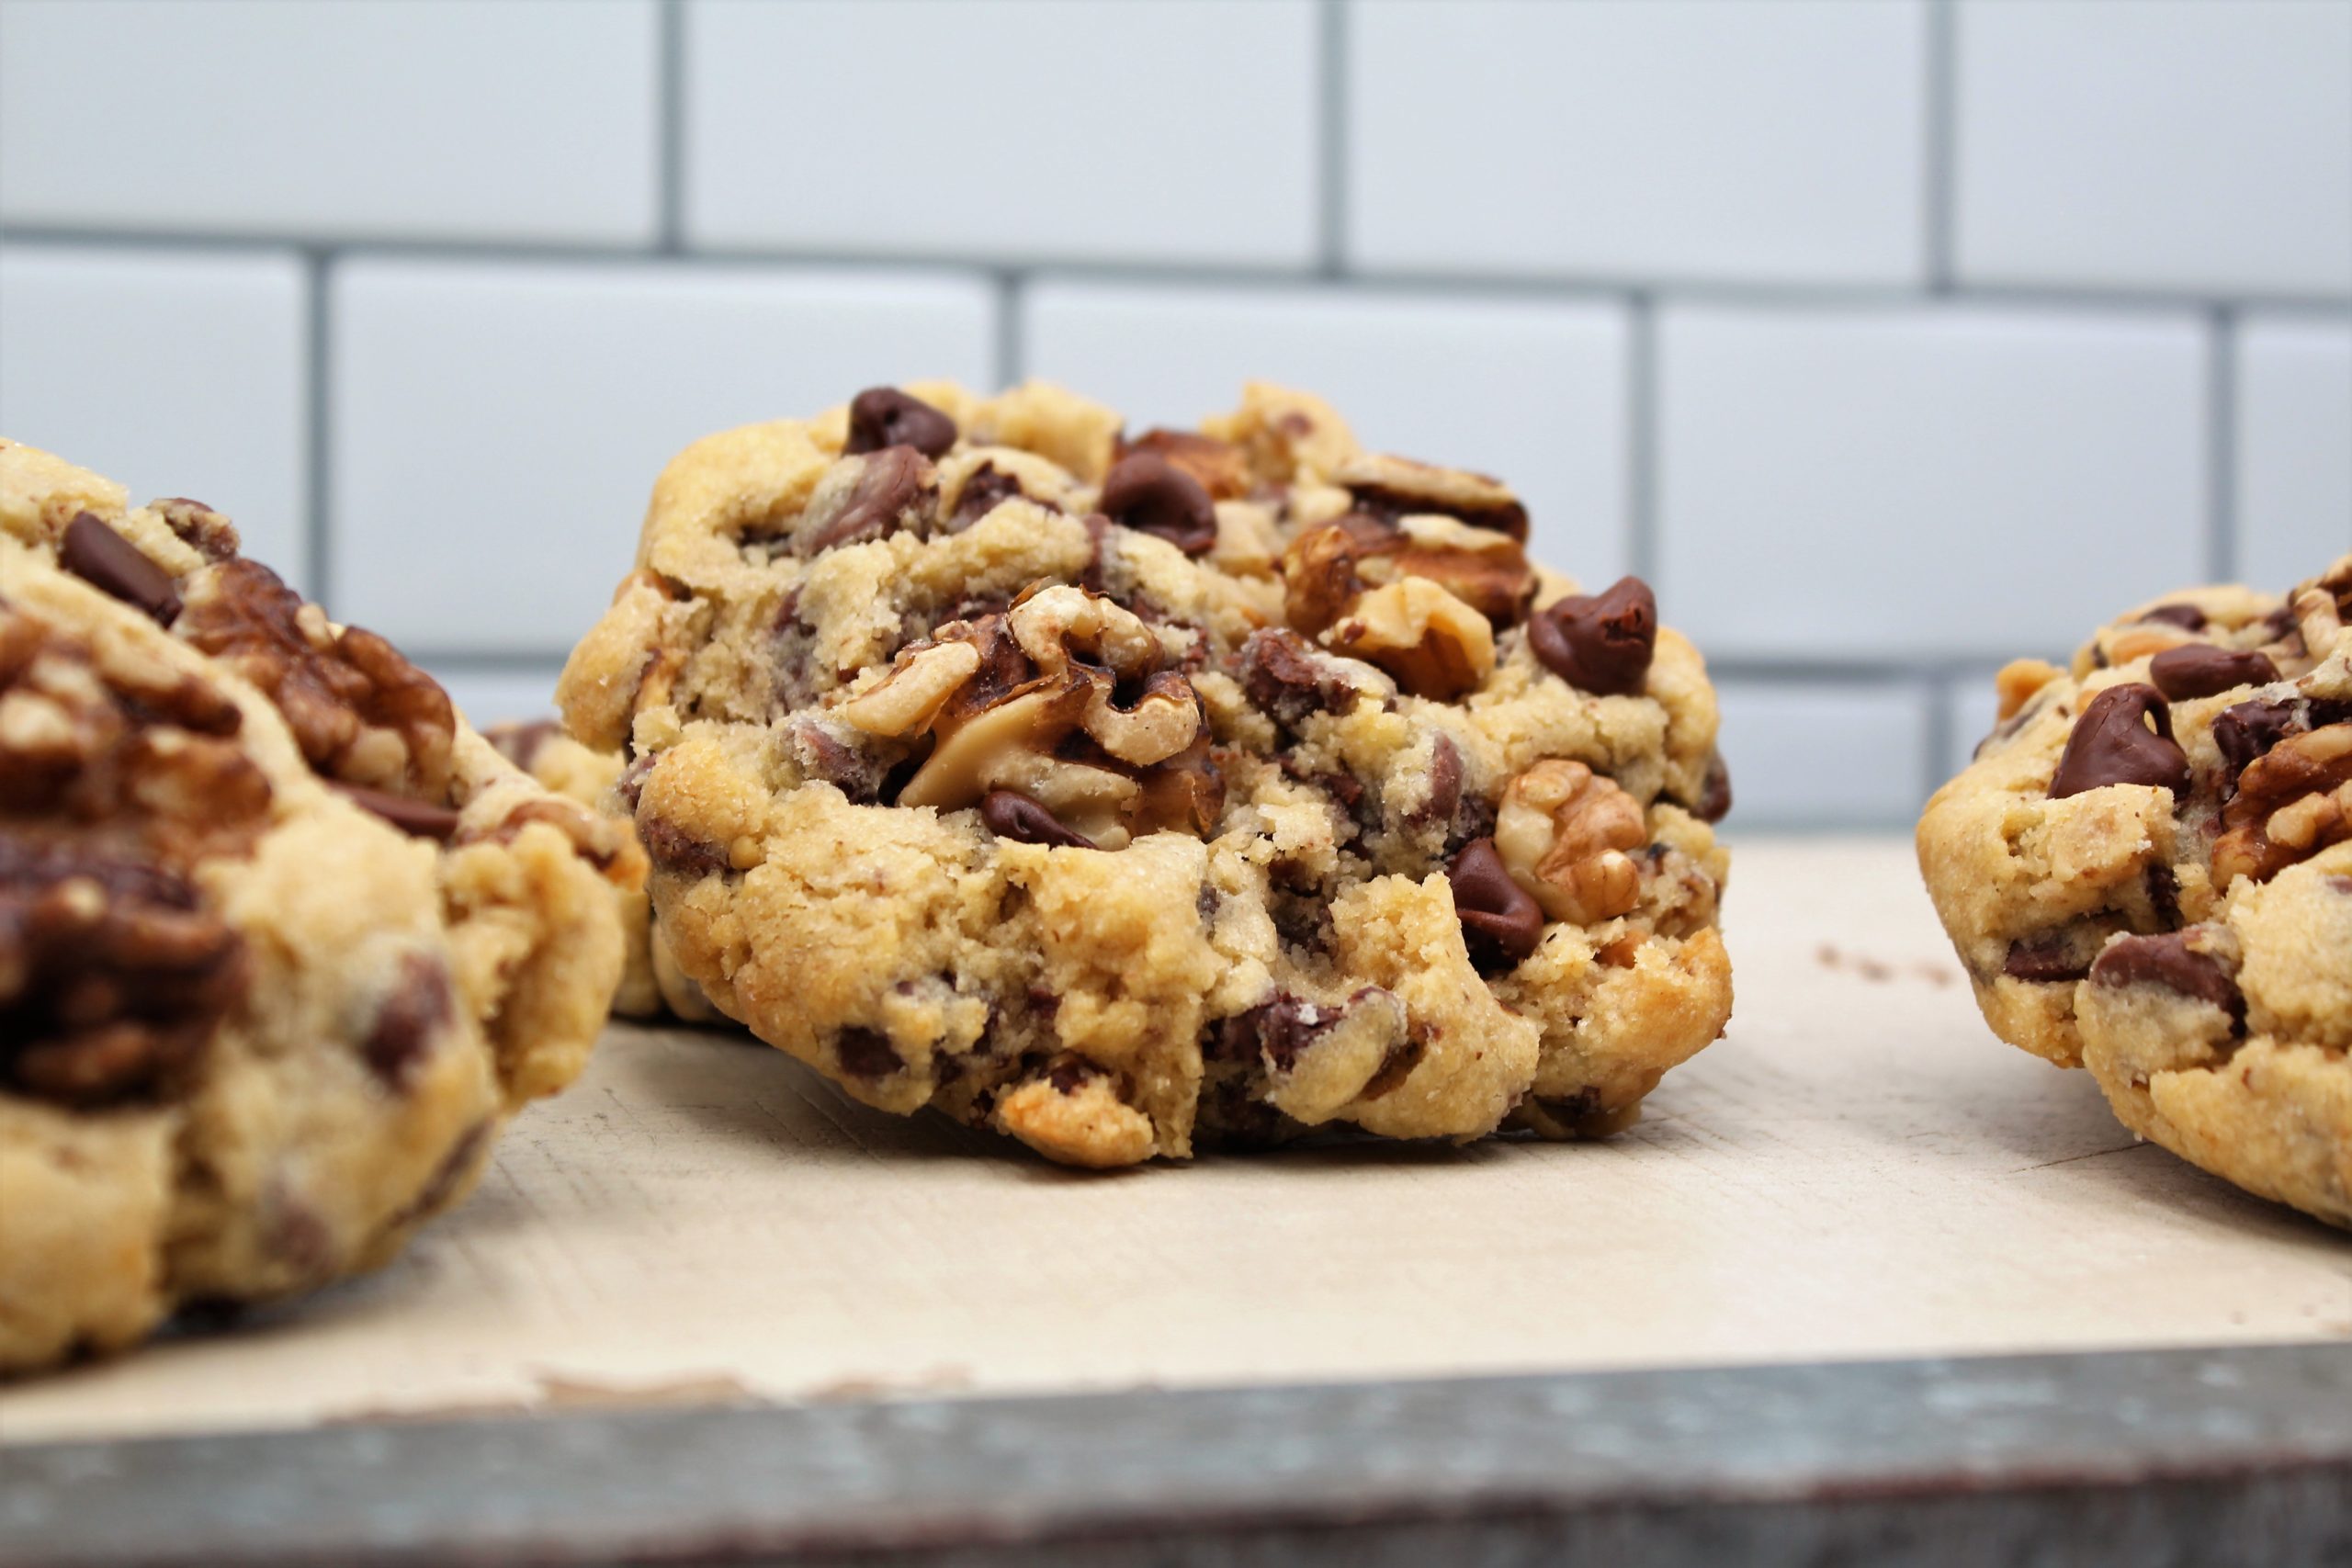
651 984
282 940
1131 794
2148 872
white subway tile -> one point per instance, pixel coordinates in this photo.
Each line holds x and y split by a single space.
2294 447
488 697
1025 128
174 372
1771 140
1913 481
1823 754
1533 392
527 119
497 427
2177 144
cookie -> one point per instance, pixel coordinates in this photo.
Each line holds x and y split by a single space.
282 940
651 984
1135 795
2147 870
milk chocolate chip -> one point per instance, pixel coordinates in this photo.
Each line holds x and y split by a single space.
2112 744
112 564
2167 961
417 819
1598 643
1011 815
1498 919
2200 669
885 416
1149 493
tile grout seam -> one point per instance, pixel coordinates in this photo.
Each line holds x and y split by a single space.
2222 563
318 407
1331 150
1939 152
670 163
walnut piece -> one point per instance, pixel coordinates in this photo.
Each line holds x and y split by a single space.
1565 833
1435 645
1328 566
1060 698
2292 802
1399 487
116 773
361 712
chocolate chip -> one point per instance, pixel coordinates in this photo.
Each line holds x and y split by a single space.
1068 1075
885 416
2050 958
112 564
1598 643
867 1052
520 743
2248 729
2279 623
1502 924
414 1011
891 482
1714 794
1011 815
2164 894
1222 468
1445 784
678 851
1149 493
983 492
2188 617
1284 678
2200 669
2112 744
2167 961
1286 1026
2340 884
417 819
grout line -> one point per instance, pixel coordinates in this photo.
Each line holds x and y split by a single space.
1561 286
1012 323
1641 438
2222 448
318 536
1938 760
1332 151
671 168
1938 182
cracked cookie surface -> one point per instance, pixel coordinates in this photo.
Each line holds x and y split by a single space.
282 940
1131 794
2147 870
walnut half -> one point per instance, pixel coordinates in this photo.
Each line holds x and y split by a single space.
1565 834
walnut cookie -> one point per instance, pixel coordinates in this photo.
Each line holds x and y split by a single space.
282 940
2147 870
1133 795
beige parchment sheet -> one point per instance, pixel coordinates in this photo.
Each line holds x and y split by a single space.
1858 1169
